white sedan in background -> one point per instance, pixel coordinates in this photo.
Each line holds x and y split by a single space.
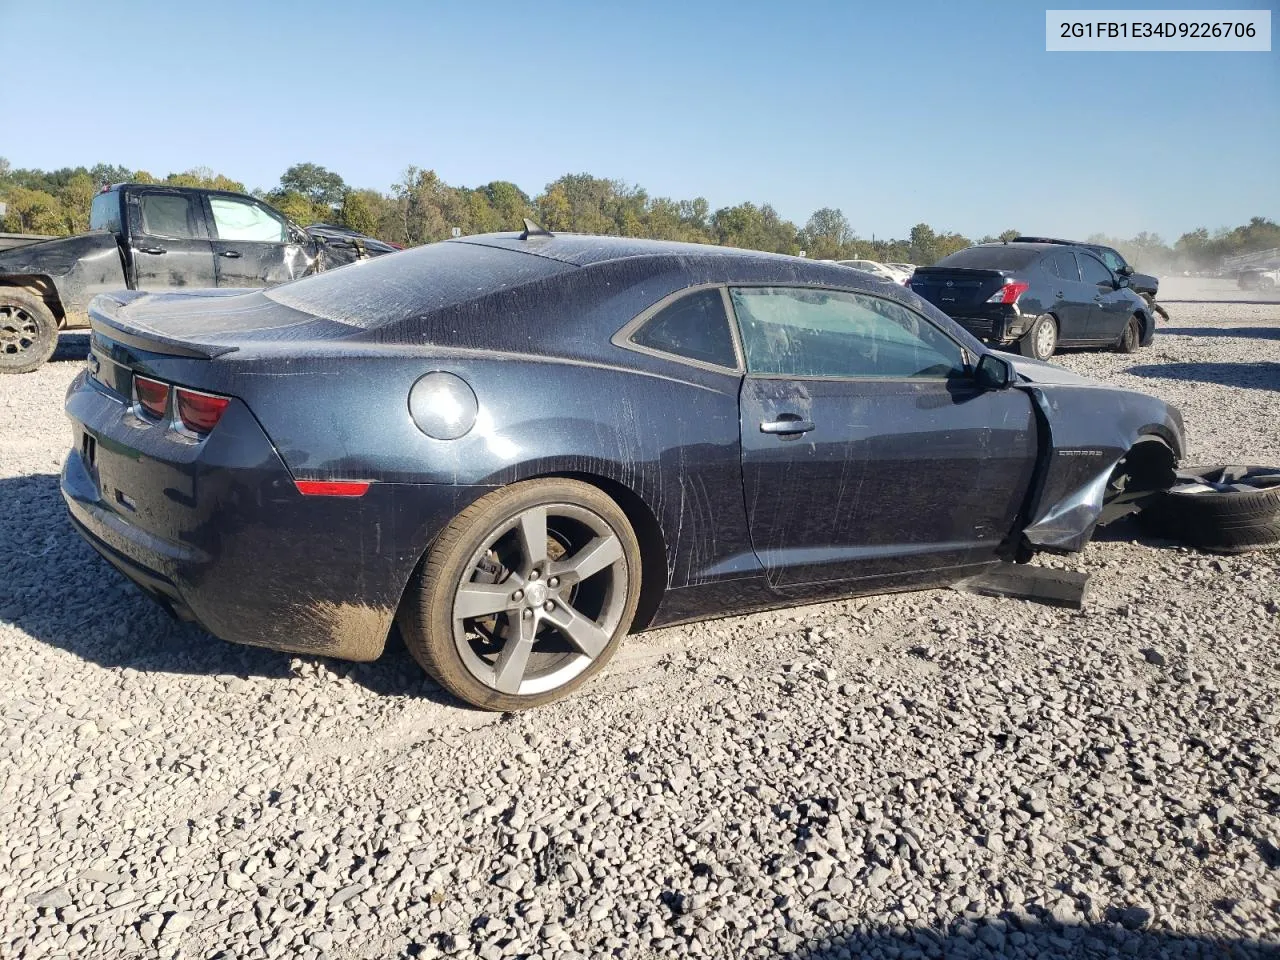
883 271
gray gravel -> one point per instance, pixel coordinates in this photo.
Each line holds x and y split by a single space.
926 774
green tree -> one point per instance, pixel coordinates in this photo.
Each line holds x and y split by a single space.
827 235
33 211
359 211
298 207
76 197
320 186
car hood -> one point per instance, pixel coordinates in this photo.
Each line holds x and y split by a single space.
1037 371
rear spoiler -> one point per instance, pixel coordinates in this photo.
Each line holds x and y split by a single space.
107 318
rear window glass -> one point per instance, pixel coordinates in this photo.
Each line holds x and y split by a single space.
695 327
170 215
996 257
399 286
104 212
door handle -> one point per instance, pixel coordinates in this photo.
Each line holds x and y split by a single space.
153 250
1098 298
231 254
785 424
1060 296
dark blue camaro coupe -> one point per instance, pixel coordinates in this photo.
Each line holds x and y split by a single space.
519 447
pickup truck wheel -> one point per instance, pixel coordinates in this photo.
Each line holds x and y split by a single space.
28 331
1041 340
1131 339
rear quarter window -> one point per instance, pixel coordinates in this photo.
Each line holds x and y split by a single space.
694 327
999 257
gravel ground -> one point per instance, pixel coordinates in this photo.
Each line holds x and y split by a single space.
926 774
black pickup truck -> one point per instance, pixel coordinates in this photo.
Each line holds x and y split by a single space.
155 237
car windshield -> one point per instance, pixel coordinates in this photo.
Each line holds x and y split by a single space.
995 257
369 293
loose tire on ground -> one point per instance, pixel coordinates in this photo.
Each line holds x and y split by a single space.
1219 521
1041 340
549 571
28 331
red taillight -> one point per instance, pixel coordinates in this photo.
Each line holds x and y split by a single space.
199 412
1010 292
332 488
152 395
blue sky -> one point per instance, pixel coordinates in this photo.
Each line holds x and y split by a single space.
950 113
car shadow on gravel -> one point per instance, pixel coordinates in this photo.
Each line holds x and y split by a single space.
57 589
1124 935
1130 530
1249 333
1264 375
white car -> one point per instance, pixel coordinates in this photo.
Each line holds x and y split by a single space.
904 268
876 270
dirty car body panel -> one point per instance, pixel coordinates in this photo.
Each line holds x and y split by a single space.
752 480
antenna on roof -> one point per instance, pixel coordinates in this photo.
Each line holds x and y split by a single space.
531 229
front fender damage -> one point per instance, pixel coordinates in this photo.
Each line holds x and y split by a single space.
1089 431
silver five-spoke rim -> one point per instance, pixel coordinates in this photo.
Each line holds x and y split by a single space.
1045 338
540 599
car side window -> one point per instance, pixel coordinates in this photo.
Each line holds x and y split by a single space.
172 215
1112 260
238 220
1064 265
801 332
1092 270
695 327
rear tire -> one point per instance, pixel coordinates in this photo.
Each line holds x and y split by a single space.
1131 339
1041 340
550 572
28 331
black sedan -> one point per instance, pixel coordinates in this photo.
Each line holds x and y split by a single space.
1037 296
520 447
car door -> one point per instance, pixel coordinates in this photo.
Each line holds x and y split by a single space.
1073 298
253 245
1112 305
168 241
868 450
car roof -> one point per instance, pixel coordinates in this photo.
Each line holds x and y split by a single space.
581 249
1065 243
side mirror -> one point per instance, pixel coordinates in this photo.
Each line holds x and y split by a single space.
994 373
1125 271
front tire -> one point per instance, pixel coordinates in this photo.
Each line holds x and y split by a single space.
525 595
1041 340
1131 339
28 331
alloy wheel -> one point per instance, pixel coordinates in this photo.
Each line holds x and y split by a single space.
18 331
1046 339
540 600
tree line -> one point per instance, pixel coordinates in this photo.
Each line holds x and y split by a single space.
422 208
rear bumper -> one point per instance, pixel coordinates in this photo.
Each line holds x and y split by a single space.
994 323
219 534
